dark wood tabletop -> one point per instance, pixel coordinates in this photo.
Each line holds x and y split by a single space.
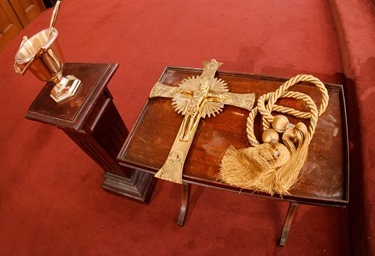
325 175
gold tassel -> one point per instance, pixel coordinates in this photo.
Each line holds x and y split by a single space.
274 167
296 141
254 167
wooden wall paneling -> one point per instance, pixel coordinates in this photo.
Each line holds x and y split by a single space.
26 10
10 25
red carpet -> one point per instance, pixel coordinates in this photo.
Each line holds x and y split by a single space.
51 202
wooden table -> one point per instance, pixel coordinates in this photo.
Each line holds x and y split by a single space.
325 175
92 121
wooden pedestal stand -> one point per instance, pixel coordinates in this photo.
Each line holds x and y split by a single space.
92 121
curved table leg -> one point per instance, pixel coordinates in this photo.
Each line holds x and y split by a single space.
184 203
288 222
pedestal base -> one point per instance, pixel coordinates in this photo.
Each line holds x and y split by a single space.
139 187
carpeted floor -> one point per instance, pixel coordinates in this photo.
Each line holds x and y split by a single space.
51 202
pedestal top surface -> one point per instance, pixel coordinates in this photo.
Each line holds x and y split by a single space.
72 112
325 175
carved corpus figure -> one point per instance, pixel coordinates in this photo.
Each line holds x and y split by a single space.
195 98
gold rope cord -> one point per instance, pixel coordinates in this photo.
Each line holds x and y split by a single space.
271 166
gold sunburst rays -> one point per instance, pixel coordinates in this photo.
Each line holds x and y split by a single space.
214 100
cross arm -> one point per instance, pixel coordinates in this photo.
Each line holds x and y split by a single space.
161 90
241 100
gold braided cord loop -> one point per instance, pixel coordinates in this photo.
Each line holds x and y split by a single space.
281 92
313 115
250 127
295 80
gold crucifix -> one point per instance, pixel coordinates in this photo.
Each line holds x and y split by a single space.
195 98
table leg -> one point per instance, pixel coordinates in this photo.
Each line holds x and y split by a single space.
288 223
184 203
